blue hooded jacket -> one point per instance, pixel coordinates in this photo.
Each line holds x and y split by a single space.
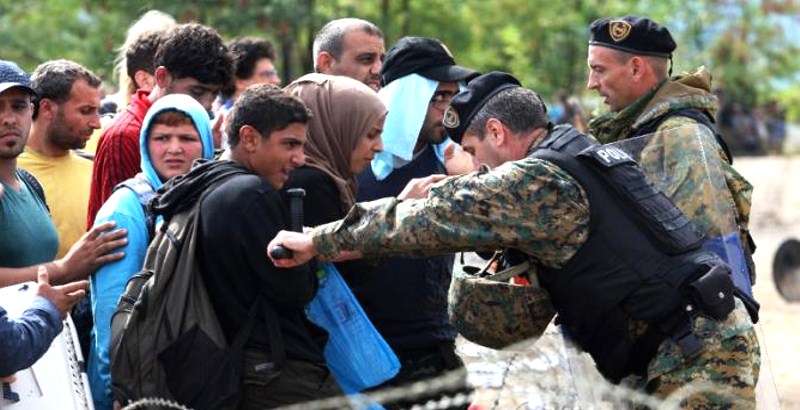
108 282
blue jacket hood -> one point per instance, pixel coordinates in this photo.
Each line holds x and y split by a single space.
184 104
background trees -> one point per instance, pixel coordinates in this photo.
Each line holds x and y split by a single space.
746 43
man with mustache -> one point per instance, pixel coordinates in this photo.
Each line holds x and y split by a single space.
68 113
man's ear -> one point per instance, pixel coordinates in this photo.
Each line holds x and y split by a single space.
163 77
248 138
495 132
324 62
638 65
144 80
47 109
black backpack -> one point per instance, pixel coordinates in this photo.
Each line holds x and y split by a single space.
166 340
33 184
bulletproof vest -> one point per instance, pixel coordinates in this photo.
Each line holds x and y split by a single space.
640 256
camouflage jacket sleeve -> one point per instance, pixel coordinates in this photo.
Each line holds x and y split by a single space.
531 205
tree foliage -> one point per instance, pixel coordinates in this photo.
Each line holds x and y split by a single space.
746 43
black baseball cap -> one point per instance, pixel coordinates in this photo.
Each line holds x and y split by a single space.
12 76
635 35
467 103
425 56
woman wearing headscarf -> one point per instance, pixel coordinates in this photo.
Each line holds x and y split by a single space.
344 135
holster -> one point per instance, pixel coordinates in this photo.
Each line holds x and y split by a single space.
712 293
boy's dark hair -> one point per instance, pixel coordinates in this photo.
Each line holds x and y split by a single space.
196 51
266 108
246 51
141 54
53 80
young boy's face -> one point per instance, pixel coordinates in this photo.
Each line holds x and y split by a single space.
173 148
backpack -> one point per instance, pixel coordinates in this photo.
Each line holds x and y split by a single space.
166 340
144 194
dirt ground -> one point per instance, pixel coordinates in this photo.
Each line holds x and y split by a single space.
775 217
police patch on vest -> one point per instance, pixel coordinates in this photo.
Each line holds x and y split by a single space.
451 119
619 30
608 155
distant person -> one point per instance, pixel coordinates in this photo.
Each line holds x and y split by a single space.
192 60
139 63
350 47
142 76
630 62
253 63
68 112
776 127
175 132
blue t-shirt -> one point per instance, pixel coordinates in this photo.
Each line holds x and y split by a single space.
27 234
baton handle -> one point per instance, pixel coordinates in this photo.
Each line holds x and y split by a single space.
296 217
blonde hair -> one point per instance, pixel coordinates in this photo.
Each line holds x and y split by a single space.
150 21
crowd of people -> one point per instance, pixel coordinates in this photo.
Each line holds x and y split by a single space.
406 157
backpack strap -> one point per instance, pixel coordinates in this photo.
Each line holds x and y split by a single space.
693 113
144 193
34 185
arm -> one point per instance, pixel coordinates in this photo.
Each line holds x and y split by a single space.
26 339
109 282
530 205
92 250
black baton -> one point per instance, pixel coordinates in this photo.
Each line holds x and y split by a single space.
296 213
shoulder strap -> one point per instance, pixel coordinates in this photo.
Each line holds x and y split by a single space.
144 193
34 185
693 113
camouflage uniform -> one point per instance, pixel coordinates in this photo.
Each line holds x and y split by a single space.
533 206
685 185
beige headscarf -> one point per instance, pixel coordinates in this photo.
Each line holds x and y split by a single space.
344 110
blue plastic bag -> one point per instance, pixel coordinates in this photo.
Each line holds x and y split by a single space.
358 356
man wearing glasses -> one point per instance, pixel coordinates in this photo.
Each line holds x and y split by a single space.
418 79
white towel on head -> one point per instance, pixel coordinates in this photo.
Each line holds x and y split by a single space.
407 101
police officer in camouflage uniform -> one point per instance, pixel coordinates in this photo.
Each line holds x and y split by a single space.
619 261
629 66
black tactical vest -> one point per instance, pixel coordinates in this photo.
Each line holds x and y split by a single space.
640 257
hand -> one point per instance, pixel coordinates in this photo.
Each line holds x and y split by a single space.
10 378
419 187
457 161
2 191
90 252
301 245
64 296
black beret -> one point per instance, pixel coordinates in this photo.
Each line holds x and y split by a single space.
425 56
467 103
635 35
